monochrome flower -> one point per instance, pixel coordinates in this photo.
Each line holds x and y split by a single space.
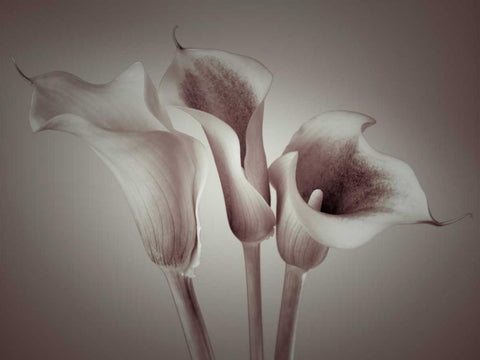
161 171
225 93
334 190
356 191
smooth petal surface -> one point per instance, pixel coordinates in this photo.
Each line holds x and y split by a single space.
250 217
162 173
363 190
225 92
295 245
128 103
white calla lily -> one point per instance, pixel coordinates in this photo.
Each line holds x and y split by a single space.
225 93
334 190
161 171
364 191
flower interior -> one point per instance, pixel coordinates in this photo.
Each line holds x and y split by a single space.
350 185
213 88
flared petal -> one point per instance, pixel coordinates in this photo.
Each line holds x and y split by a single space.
128 103
161 172
225 92
363 190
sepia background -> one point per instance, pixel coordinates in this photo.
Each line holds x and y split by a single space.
75 282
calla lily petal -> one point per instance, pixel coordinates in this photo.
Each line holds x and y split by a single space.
128 103
364 191
225 92
295 245
162 173
251 218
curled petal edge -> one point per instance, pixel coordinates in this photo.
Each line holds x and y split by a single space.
258 76
127 103
163 197
336 231
250 216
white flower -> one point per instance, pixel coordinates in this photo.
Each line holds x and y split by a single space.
336 191
161 171
225 92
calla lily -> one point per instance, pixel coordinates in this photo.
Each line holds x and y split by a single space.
161 171
334 190
359 192
225 93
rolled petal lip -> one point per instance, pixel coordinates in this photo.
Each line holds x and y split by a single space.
161 172
225 92
295 245
398 197
250 217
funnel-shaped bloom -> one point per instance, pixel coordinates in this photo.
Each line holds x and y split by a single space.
225 93
161 171
335 190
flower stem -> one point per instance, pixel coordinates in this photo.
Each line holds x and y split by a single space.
251 252
287 323
188 310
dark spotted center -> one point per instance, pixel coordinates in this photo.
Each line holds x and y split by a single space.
349 184
212 87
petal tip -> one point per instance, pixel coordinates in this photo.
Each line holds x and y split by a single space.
369 122
339 123
175 41
366 120
435 222
21 73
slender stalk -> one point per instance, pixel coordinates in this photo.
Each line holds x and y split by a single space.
188 310
287 323
251 252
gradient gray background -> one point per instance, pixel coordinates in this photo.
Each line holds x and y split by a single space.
75 280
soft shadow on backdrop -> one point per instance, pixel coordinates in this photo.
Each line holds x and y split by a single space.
75 280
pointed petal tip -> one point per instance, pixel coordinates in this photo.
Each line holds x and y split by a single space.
22 74
340 123
367 120
370 122
175 41
435 222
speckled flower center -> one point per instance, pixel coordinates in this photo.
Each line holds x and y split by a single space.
211 87
349 183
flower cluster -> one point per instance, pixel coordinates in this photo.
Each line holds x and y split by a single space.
333 189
